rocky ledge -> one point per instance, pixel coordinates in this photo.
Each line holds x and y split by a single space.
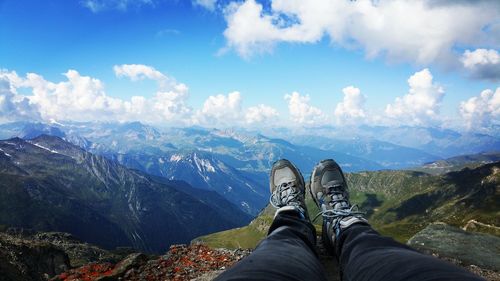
477 252
22 259
181 262
60 256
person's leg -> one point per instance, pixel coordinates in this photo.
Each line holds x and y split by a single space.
288 252
364 254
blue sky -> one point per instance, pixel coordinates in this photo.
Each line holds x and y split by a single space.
219 47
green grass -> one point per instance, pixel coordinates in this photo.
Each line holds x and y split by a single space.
246 237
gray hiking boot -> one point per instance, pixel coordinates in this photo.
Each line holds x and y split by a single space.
287 188
328 188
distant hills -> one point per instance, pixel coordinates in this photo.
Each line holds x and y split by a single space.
385 154
458 163
48 184
444 143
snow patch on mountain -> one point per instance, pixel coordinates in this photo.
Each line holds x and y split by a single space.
203 164
245 205
251 187
43 147
175 158
6 154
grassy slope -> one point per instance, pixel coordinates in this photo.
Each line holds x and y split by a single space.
399 203
250 235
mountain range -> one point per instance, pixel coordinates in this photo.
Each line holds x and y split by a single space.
235 162
49 184
441 142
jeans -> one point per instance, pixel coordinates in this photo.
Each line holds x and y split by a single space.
288 253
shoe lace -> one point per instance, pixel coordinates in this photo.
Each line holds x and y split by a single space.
341 212
292 194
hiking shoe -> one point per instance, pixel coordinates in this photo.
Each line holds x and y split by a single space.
287 188
328 188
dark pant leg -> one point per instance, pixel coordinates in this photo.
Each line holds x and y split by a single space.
366 255
287 253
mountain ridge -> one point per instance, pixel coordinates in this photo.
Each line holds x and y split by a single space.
50 190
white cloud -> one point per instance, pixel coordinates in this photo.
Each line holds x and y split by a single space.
138 72
482 63
481 111
122 5
82 98
261 114
301 112
226 111
422 103
415 31
14 107
221 110
351 109
169 103
207 4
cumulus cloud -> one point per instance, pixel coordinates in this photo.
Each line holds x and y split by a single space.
415 31
261 114
14 107
482 63
79 98
301 112
121 5
422 103
220 110
351 109
226 111
83 98
207 4
481 111
170 102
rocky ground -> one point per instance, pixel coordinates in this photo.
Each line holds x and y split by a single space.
182 262
23 259
477 252
59 256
